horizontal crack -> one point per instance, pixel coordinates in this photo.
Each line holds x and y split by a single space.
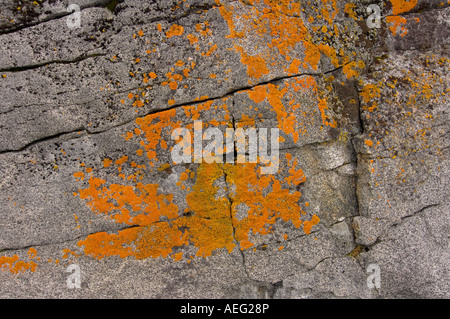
67 240
39 65
228 94
43 139
55 16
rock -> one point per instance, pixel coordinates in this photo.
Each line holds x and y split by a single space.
349 183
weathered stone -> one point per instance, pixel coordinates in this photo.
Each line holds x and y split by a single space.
88 174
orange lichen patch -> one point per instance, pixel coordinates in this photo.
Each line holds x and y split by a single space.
325 12
401 6
67 252
293 68
154 241
263 208
285 120
246 121
312 55
193 111
107 162
15 265
258 93
76 221
140 152
140 33
370 93
192 39
418 90
120 202
349 10
177 256
287 31
179 63
210 51
163 167
307 225
256 66
128 136
173 85
203 29
349 68
152 127
288 121
32 253
296 176
325 118
368 143
121 160
227 13
209 227
175 30
79 175
138 103
279 19
282 21
396 23
329 52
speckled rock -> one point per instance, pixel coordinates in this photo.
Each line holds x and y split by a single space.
91 118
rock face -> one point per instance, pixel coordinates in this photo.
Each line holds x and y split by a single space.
88 178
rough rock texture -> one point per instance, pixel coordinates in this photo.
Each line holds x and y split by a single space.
87 177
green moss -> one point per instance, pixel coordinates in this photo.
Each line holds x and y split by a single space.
355 252
111 6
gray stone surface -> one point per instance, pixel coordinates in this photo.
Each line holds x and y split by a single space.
87 176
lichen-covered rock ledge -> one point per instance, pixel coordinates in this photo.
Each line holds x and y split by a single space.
87 177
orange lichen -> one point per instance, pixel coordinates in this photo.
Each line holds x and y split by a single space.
325 118
256 66
211 225
349 10
79 175
307 225
401 6
370 93
107 162
175 30
349 68
15 265
397 22
192 39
